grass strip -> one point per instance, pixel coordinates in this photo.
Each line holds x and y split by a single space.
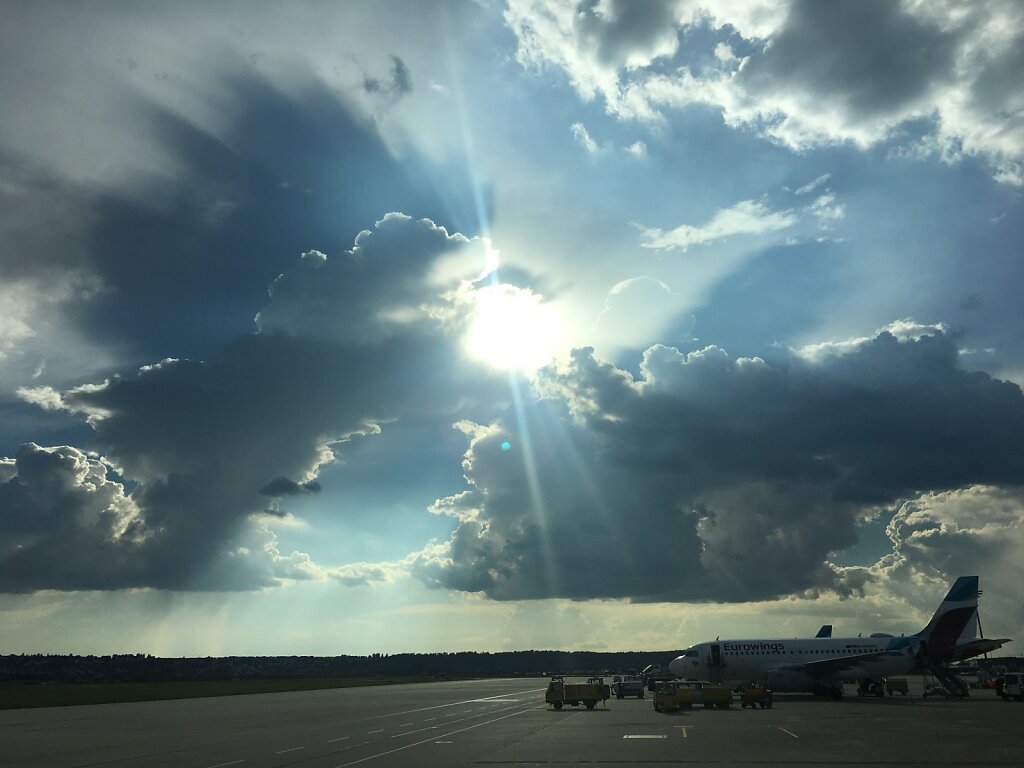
21 696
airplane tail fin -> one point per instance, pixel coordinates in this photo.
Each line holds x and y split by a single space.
954 615
825 631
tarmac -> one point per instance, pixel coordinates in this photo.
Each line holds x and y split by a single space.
507 723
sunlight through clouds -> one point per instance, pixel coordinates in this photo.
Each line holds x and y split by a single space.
512 328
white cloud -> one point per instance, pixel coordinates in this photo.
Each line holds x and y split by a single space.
906 329
974 530
826 209
746 217
813 185
582 136
637 149
817 73
368 574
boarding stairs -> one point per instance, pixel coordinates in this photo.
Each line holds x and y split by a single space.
950 683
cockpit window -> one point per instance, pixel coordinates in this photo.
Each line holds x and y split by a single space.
691 652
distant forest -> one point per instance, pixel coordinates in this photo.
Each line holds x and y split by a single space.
139 668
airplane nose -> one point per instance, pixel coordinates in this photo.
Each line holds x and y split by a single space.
676 666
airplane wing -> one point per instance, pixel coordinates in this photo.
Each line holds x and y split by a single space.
830 666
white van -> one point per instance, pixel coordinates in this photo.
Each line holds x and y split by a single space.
1013 686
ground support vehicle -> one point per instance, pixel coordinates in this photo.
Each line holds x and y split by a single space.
717 697
630 685
560 693
711 695
755 696
896 685
671 696
654 675
1012 686
869 687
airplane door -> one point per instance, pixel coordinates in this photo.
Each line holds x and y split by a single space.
715 663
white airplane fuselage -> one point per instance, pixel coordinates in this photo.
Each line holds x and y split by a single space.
785 664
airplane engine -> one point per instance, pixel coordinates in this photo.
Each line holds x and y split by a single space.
786 681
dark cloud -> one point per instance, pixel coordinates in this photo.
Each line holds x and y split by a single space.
398 84
65 523
376 289
199 439
176 265
971 302
713 478
619 28
282 486
866 58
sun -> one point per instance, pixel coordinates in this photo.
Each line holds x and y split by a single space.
512 328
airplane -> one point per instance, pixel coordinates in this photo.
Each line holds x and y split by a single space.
825 631
821 665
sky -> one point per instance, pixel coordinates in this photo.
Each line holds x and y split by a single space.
352 327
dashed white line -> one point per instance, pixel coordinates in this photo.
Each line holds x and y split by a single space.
451 733
370 733
293 749
435 727
406 725
221 765
789 732
430 719
340 738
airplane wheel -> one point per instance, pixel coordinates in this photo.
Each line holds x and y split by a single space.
558 705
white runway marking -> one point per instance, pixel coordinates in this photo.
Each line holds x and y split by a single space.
221 765
452 733
683 729
789 732
430 719
444 742
644 736
293 749
340 738
491 700
435 727
381 730
467 701
405 725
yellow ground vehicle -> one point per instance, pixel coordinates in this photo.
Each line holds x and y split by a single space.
896 685
589 693
711 695
755 696
716 696
672 696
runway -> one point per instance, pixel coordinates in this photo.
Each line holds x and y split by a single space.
506 723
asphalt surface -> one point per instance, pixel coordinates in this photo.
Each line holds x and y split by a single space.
507 723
